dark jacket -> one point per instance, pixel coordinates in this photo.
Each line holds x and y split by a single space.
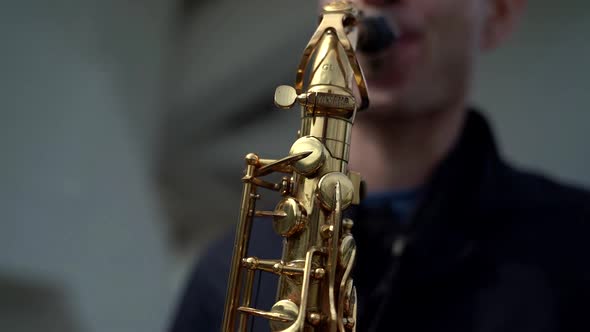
490 248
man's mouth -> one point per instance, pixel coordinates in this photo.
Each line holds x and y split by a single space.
392 66
407 38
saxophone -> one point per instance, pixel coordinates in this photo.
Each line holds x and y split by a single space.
315 290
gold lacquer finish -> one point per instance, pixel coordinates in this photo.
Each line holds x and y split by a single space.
289 217
285 308
326 187
309 165
316 291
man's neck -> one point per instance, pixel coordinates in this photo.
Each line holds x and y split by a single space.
402 152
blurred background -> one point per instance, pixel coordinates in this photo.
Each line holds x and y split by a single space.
124 125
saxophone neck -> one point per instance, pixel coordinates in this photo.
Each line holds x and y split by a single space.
335 69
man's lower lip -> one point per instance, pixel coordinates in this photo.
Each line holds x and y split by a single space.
392 68
406 43
385 75
390 81
404 48
408 38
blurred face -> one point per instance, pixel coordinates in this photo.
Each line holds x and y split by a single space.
430 66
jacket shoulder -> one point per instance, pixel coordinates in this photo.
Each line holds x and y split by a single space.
535 192
544 222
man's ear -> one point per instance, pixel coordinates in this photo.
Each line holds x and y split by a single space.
500 20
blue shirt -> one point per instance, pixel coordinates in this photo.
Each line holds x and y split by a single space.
402 203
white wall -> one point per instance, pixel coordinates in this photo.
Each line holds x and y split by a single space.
81 229
535 90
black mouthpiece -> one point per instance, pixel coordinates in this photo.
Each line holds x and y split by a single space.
376 34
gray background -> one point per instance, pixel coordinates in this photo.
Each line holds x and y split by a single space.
124 125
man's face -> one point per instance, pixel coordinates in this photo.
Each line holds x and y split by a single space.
430 66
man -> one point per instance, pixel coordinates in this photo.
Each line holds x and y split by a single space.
450 237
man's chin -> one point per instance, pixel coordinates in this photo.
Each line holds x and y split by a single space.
382 101
387 105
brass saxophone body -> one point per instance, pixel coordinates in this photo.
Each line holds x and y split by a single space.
316 291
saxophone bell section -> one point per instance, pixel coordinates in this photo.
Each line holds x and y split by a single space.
316 291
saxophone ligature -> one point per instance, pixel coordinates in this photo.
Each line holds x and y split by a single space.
315 289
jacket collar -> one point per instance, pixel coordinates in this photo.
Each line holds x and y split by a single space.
449 220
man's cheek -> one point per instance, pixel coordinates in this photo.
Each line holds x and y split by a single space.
453 27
